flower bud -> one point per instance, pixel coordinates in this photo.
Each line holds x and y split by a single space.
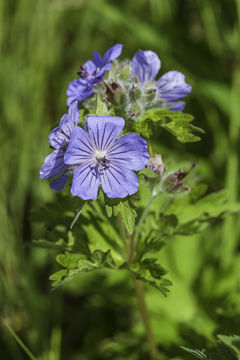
134 93
173 184
134 110
150 94
124 72
156 165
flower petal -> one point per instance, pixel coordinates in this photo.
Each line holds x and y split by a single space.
73 115
145 65
119 182
84 183
59 183
130 151
60 136
89 68
97 59
176 106
53 165
56 139
112 53
103 130
79 90
79 148
172 86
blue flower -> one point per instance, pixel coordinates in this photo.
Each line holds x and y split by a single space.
91 73
170 87
58 139
103 158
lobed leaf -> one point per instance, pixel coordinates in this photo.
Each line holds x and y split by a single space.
177 123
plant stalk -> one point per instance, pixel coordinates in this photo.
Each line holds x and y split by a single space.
146 320
138 285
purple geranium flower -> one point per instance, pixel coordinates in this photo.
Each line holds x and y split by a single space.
102 157
91 73
58 139
170 87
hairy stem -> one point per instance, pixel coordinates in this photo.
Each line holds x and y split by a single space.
138 285
146 320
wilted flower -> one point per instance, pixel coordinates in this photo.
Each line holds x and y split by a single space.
91 73
103 158
58 139
172 183
169 88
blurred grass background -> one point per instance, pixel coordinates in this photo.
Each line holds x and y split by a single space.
42 45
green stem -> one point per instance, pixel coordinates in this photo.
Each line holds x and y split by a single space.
19 341
139 289
146 320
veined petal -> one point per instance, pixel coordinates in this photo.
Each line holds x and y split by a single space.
89 68
103 130
59 183
79 148
112 53
97 59
102 71
60 136
130 151
79 90
53 165
57 139
85 183
118 182
73 114
172 86
145 65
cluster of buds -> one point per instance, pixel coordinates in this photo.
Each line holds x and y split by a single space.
172 183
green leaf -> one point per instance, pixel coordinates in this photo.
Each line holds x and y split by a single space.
233 341
126 210
101 109
196 353
152 273
75 264
177 123
225 352
149 174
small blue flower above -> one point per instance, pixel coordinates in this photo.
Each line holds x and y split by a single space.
170 87
91 73
101 157
58 139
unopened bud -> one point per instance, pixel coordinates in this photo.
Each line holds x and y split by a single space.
134 110
124 72
156 165
134 93
173 182
150 94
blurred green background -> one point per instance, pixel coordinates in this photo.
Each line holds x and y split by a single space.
42 45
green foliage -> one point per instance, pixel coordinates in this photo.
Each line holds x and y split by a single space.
177 123
227 348
126 210
77 263
151 272
40 54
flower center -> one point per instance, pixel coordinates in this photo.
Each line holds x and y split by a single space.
100 155
101 162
